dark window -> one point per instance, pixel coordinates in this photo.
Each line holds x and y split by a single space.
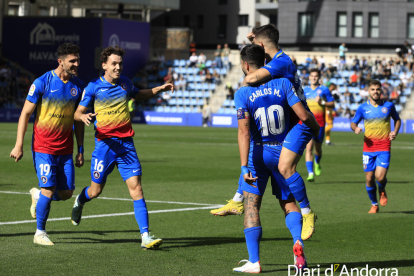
373 25
357 29
222 2
273 19
186 21
200 21
306 24
341 24
243 20
167 21
222 27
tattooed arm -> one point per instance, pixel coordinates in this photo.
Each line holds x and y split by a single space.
257 76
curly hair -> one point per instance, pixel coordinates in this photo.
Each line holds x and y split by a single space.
111 50
68 49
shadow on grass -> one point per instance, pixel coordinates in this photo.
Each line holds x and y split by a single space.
349 265
358 182
399 212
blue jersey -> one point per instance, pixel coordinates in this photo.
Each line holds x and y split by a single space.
317 109
377 124
281 66
111 106
268 108
56 103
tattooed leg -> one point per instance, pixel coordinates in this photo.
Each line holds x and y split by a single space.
252 203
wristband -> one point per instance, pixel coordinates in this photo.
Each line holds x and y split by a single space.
80 149
244 170
323 102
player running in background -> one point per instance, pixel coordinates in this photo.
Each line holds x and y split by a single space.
376 155
54 96
318 97
279 65
329 117
263 114
113 138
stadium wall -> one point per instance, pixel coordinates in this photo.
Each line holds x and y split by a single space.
196 120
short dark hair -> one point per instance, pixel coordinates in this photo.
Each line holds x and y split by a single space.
269 31
315 70
67 49
332 84
111 50
374 82
253 55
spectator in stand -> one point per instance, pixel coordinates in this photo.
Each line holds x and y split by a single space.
335 92
370 63
241 46
304 77
192 47
342 51
364 63
308 61
353 79
193 60
385 91
350 63
216 77
217 54
395 96
363 92
335 63
201 59
166 97
314 63
181 83
355 64
321 63
230 94
175 75
342 64
405 78
202 76
225 53
209 77
136 79
347 97
169 77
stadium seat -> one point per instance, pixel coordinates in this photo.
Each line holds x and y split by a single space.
176 63
208 63
174 109
193 94
221 110
197 78
403 99
186 101
193 102
187 109
167 109
178 93
180 101
212 86
199 94
172 102
398 108
407 91
183 62
206 94
159 109
226 103
227 111
180 109
223 71
191 86
205 86
340 81
186 94
354 106
199 86
232 103
342 89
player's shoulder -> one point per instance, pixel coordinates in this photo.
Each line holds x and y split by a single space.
389 105
123 79
44 79
93 84
362 106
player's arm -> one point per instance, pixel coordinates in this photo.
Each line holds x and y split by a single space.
146 94
244 148
79 133
397 123
28 108
306 117
329 100
257 76
80 115
355 121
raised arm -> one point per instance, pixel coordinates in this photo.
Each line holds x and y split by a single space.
28 108
146 94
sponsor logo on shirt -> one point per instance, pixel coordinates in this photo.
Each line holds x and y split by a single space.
32 89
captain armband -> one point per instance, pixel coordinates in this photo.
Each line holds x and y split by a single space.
243 113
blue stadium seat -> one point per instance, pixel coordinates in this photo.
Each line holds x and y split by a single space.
398 108
176 63
354 106
167 109
407 91
342 89
223 71
206 94
340 81
227 110
178 93
199 94
191 86
232 103
186 101
403 99
226 103
205 86
212 86
174 109
193 94
190 78
193 102
199 86
186 94
197 78
221 110
357 98
187 109
180 109
159 109
208 63
172 102
183 62
180 101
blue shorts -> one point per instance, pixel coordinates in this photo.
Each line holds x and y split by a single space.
371 160
263 161
321 136
114 151
297 138
54 170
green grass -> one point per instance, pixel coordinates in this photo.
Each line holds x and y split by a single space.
201 165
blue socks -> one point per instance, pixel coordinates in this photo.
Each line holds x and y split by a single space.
309 166
42 211
83 196
141 215
294 224
253 236
318 158
298 189
381 187
372 194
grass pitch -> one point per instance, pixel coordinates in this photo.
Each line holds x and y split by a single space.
200 166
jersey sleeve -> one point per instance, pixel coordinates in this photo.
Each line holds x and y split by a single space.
292 96
87 95
394 114
133 91
241 105
275 69
36 91
328 95
358 115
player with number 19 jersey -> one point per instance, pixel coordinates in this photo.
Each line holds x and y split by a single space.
113 137
268 108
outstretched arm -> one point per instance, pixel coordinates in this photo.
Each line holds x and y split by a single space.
17 151
146 94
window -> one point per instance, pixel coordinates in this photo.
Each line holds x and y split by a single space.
186 21
306 24
410 26
200 21
341 27
222 27
243 20
373 25
357 25
167 21
273 19
222 2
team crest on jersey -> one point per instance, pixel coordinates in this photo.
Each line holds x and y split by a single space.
74 92
123 86
319 91
96 175
32 89
384 110
44 179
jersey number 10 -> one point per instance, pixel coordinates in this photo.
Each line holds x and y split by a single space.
267 119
